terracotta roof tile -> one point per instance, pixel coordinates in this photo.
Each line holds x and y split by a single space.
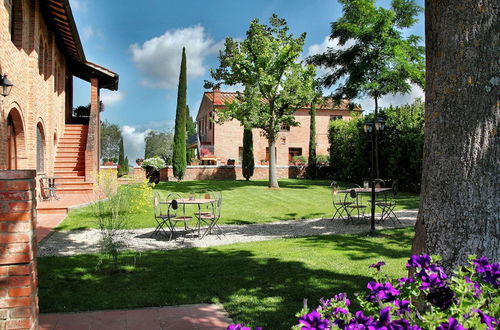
228 97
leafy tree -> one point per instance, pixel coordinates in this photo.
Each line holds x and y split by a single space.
190 131
248 162
276 83
460 198
159 144
179 154
110 133
380 60
311 167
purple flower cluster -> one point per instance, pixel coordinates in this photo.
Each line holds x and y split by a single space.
490 273
314 321
452 324
490 321
378 265
383 292
241 327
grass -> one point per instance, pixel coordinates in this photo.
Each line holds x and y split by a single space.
244 202
260 283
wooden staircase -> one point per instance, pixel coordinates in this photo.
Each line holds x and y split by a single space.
69 167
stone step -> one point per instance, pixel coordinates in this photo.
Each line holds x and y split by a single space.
66 173
70 179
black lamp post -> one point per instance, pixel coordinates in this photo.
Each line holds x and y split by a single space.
372 127
6 85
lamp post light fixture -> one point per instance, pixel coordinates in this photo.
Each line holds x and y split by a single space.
372 127
6 85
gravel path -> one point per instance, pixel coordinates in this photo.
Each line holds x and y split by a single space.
67 243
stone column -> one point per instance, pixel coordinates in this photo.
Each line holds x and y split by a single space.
93 138
18 250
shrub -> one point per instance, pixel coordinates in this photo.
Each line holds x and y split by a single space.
322 159
428 300
155 162
301 160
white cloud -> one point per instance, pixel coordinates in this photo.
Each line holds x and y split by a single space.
133 142
111 97
88 32
367 104
159 58
80 5
327 44
233 88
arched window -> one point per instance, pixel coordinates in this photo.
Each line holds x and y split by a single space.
40 149
16 152
16 23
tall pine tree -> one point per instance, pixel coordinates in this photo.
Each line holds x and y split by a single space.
121 159
248 162
179 154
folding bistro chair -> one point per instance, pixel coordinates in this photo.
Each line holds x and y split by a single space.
212 218
161 216
356 205
173 209
389 205
379 183
47 191
339 203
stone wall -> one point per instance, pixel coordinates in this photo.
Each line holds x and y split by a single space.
231 173
18 250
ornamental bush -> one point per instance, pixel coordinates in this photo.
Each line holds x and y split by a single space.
155 162
430 299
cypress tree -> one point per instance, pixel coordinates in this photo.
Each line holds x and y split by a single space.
311 167
125 167
179 152
190 130
121 158
248 160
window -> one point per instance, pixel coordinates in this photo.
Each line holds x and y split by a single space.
16 23
267 154
210 123
285 127
335 117
292 152
41 53
240 155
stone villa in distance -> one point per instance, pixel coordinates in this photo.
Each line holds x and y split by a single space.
41 52
220 142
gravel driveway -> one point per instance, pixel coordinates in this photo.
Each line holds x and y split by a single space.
66 243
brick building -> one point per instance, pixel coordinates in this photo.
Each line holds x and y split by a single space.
225 141
41 52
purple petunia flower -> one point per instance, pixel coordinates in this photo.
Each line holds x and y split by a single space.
381 292
378 265
490 273
342 297
442 297
452 324
385 317
237 327
313 321
421 261
402 324
403 306
361 319
403 280
490 321
475 286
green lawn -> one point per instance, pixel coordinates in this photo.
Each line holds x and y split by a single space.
261 283
244 202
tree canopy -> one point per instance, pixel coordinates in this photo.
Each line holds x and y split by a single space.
276 82
110 133
159 144
179 152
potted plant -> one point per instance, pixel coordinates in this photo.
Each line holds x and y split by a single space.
107 162
322 159
230 162
299 160
195 162
153 166
139 161
264 162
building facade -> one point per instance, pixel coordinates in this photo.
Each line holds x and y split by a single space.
225 141
41 52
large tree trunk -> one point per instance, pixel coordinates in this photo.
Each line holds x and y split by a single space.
273 178
460 200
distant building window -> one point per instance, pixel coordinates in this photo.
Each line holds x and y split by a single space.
41 54
285 127
292 152
335 117
267 154
240 155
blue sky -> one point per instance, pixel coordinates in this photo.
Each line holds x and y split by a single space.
142 42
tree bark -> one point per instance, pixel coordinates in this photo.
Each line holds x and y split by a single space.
459 212
375 133
273 179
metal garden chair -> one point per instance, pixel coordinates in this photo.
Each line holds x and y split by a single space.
339 203
211 219
356 205
389 205
173 209
161 216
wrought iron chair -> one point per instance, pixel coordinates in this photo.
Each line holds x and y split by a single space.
379 183
161 216
356 205
339 203
389 205
211 219
173 209
47 190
